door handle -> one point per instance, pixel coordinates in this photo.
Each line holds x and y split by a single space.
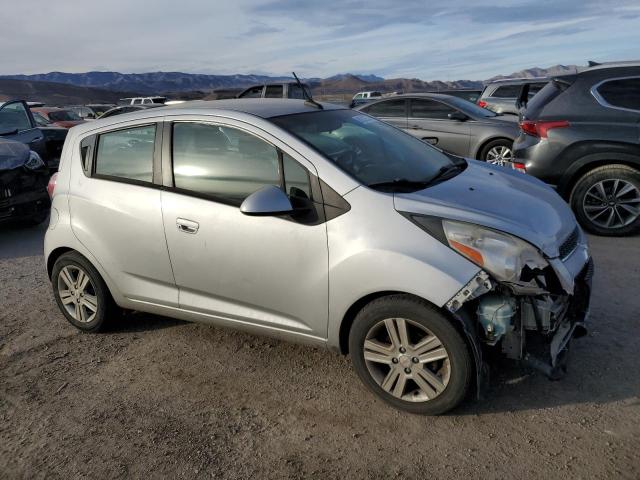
187 226
431 140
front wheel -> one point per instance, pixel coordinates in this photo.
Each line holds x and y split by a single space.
606 200
410 355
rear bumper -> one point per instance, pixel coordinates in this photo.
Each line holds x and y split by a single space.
541 157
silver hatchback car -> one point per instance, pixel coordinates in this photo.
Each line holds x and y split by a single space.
319 224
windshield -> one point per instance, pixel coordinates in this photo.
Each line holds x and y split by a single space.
63 116
40 120
369 150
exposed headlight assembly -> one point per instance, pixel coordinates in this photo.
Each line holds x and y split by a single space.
502 255
34 162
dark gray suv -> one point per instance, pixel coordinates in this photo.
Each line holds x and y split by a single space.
581 133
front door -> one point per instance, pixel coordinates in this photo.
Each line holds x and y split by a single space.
17 123
429 121
267 271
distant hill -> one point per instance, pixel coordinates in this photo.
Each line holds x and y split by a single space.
541 72
57 93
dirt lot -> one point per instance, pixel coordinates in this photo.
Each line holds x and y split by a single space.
163 398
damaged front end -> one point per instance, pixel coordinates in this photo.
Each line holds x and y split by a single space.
532 315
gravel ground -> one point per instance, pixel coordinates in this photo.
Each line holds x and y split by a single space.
163 398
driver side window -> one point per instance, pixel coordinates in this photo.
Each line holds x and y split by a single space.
230 164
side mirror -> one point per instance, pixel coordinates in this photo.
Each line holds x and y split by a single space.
459 116
269 200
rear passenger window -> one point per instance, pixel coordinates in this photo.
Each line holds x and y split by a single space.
389 108
273 91
127 154
507 91
623 93
222 162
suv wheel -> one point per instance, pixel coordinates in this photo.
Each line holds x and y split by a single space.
80 292
606 200
410 355
498 152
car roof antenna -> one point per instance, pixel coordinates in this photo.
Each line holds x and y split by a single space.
308 98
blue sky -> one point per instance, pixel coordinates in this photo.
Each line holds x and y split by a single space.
436 39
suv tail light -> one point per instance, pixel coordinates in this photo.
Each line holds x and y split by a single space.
51 186
541 129
482 103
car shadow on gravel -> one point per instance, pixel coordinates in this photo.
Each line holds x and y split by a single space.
17 240
131 322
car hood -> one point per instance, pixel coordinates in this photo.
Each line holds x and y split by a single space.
12 154
497 198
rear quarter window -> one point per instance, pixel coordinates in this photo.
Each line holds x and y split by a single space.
507 91
127 154
622 93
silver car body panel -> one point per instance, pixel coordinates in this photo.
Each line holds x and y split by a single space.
269 275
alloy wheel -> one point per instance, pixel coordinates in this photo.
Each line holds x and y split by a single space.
407 360
612 203
77 293
499 155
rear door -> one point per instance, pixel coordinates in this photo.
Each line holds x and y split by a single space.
392 111
17 123
116 211
429 121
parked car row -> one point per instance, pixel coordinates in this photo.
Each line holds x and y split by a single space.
579 133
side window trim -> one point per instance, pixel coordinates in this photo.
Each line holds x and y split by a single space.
157 156
600 99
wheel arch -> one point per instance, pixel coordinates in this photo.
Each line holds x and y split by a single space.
55 255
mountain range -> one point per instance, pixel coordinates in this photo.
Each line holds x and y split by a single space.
162 82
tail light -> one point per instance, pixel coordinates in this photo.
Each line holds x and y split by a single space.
541 129
51 186
482 103
520 167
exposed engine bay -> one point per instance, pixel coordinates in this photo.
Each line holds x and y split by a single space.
531 320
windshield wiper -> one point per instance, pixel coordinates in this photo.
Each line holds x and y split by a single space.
445 172
402 183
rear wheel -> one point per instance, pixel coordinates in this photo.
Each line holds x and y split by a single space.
80 293
498 152
606 200
410 355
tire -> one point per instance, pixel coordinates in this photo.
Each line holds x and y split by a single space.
77 310
454 372
497 147
593 209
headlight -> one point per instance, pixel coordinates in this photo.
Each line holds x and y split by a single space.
34 161
501 254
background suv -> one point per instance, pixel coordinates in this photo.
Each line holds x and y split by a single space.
501 96
581 133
